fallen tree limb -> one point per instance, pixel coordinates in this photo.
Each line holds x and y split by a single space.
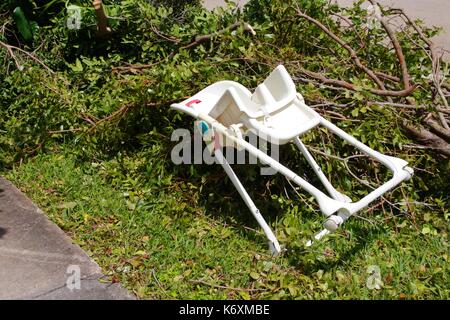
429 139
397 47
438 129
435 60
347 85
344 45
431 133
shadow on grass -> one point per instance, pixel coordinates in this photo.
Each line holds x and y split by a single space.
218 196
346 254
226 204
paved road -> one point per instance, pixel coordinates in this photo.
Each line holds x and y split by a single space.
37 259
433 12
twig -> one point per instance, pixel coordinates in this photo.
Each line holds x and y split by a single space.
123 110
64 131
387 76
197 41
350 86
337 157
298 194
335 114
328 104
397 47
140 66
167 38
11 48
344 45
407 106
343 18
159 283
203 38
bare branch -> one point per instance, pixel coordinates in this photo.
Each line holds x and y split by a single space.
397 47
408 106
344 45
102 19
347 85
11 49
437 129
435 60
429 139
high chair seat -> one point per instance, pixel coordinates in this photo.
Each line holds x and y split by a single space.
274 111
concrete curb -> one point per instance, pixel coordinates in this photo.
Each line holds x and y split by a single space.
37 259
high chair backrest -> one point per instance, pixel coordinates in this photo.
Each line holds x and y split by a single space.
277 91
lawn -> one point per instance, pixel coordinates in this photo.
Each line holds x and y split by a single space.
160 243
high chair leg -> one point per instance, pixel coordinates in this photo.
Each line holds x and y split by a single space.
329 222
318 170
274 246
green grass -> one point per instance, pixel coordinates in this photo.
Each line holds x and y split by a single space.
171 239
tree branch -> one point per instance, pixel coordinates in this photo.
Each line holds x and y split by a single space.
429 139
344 45
435 60
397 47
206 37
438 129
11 49
102 19
347 85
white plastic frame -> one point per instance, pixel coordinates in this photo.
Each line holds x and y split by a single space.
336 207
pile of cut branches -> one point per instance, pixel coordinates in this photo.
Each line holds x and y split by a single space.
374 71
433 130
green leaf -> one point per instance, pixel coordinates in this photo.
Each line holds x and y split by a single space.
254 275
244 295
78 67
68 205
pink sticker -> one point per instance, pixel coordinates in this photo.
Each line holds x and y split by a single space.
190 103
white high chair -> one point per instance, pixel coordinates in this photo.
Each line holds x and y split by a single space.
277 113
